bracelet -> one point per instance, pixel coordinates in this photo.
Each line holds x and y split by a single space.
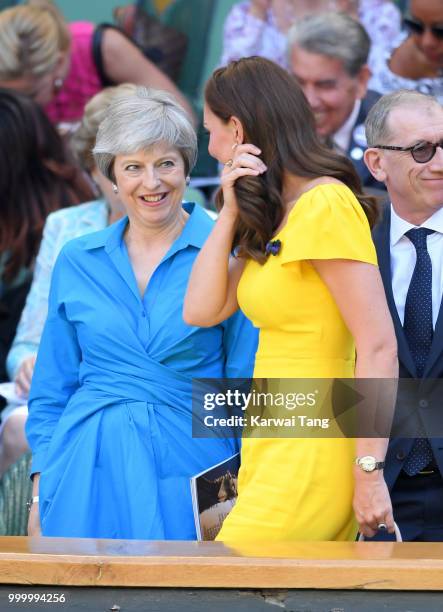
34 500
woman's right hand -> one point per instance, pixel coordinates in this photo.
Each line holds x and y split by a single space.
24 376
244 162
372 502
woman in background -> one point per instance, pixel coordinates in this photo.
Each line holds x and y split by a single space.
413 60
63 65
305 273
37 177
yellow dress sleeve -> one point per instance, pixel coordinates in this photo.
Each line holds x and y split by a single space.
327 222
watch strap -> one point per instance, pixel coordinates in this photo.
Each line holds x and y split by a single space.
378 465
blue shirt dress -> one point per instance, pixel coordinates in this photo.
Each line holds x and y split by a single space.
110 419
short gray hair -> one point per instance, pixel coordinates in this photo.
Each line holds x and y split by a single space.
377 121
139 121
335 35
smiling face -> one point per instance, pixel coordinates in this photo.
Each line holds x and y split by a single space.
330 90
428 13
416 190
151 185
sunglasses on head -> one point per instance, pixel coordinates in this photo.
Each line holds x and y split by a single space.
418 27
422 152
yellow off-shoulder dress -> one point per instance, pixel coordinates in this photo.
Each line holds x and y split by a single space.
292 488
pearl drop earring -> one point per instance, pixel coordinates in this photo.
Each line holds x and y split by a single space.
58 84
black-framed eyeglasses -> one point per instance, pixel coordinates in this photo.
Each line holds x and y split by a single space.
422 152
418 27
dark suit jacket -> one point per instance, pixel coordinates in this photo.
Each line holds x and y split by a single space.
400 447
358 147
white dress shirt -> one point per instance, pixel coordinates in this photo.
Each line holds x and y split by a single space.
404 256
342 137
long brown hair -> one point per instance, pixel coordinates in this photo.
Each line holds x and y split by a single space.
37 177
276 117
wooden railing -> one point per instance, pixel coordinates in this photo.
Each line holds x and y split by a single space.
306 565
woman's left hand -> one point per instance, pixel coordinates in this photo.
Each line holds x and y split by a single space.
245 161
372 503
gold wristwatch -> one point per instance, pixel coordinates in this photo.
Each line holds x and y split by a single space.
369 463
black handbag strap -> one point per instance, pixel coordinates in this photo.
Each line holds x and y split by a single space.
97 40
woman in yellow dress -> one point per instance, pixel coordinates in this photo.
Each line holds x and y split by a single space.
305 272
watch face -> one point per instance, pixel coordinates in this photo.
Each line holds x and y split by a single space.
367 463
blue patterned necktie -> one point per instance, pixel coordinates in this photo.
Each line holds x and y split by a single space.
419 332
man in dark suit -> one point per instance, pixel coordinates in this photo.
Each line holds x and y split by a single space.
328 55
404 130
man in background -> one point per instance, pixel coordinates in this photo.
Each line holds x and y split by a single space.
328 55
404 130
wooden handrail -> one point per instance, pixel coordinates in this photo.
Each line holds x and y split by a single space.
130 563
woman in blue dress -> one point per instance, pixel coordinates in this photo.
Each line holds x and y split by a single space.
110 419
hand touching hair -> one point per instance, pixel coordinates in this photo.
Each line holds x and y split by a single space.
276 118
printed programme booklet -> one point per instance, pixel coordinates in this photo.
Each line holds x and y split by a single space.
214 493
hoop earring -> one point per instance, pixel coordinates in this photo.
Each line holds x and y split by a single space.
114 188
